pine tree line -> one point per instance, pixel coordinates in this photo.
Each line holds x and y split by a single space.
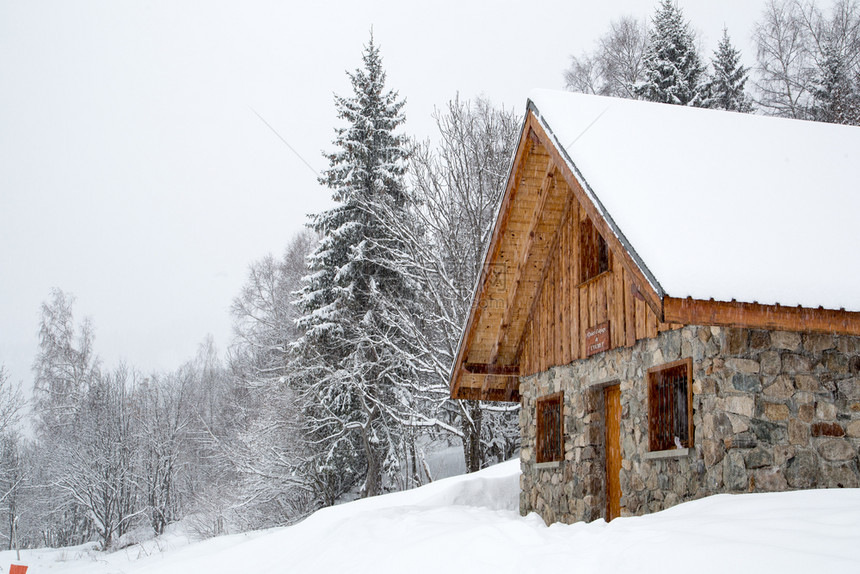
807 63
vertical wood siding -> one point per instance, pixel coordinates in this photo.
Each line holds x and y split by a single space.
567 307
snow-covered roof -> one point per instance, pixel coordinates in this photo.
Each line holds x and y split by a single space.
718 204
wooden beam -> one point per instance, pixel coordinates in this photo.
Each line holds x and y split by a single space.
508 394
756 316
546 189
491 369
539 289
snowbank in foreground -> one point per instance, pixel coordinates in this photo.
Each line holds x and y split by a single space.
470 523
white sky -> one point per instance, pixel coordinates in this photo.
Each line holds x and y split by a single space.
135 175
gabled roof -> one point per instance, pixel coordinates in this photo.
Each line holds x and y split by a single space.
721 205
701 208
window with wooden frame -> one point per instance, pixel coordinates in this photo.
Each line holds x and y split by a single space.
550 428
593 251
670 406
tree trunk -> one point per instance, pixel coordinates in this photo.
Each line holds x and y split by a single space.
472 436
374 468
373 479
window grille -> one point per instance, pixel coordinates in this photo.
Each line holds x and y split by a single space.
550 428
670 420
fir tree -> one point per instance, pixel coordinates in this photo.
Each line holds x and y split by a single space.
673 69
354 358
726 85
836 95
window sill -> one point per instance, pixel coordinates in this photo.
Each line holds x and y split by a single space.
543 465
672 453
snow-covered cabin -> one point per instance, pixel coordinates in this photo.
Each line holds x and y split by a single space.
673 296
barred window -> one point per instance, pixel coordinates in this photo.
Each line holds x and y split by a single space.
670 406
550 428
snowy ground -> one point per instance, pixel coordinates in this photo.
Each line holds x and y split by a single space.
470 524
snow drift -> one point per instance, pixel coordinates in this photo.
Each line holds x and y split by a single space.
470 524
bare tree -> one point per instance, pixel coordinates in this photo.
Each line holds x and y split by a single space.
11 402
785 65
95 464
165 418
264 315
809 61
268 453
64 368
12 463
458 187
615 65
584 76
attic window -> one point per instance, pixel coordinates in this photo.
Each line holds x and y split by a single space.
593 251
670 406
550 429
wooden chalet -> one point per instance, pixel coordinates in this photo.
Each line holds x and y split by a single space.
682 276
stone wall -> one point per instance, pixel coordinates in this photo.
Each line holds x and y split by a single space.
772 411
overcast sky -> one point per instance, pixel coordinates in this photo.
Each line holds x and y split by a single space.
135 174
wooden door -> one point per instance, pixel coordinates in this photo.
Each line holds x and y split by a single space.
612 400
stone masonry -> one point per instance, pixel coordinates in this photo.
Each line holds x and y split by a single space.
772 411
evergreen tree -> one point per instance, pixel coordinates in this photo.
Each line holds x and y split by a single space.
726 85
836 95
354 359
673 70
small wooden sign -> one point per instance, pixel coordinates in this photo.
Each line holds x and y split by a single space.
597 339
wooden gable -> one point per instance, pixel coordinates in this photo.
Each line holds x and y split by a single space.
535 305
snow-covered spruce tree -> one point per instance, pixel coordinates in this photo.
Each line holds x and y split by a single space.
726 85
835 93
354 353
673 71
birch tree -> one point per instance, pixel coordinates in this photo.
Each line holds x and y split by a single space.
616 64
64 368
269 453
458 186
808 60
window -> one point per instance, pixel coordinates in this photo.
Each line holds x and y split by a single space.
670 406
593 251
550 429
